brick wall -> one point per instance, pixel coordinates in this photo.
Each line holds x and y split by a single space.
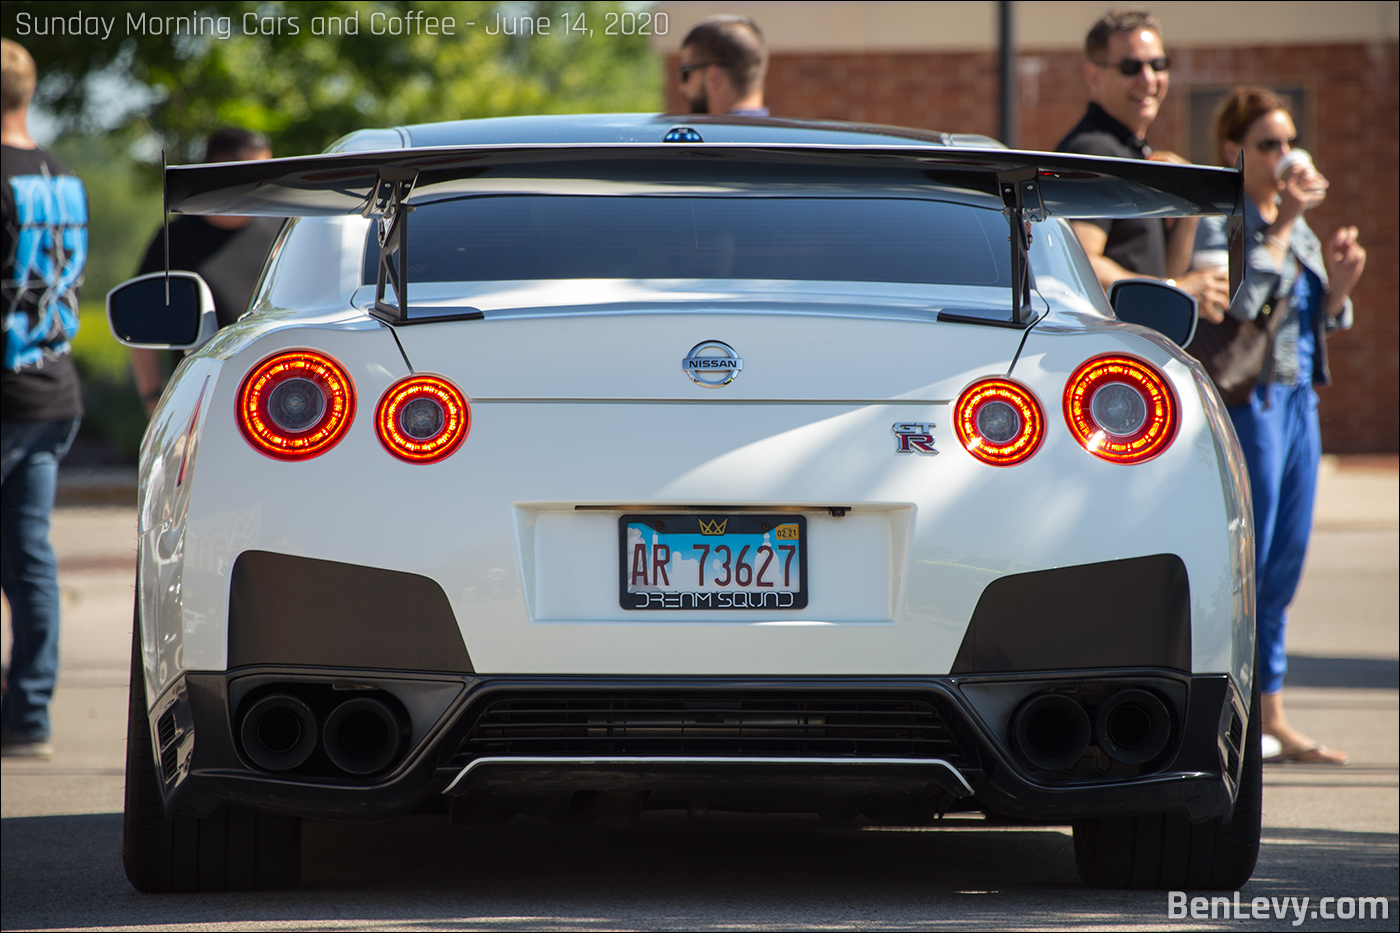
1355 137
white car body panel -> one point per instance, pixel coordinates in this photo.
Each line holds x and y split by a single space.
924 530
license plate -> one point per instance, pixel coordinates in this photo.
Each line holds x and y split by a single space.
713 562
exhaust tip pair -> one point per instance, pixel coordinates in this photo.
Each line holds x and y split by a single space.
1052 731
360 736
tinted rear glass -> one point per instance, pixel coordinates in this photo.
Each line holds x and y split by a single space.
832 239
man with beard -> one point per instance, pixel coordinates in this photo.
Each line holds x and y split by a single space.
723 62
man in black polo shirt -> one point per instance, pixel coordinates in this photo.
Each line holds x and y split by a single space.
1126 72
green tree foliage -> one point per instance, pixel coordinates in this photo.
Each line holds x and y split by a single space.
312 71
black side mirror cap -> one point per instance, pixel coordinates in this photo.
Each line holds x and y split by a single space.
140 316
1155 304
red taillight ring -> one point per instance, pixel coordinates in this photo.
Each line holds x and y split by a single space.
423 419
1141 434
999 422
303 374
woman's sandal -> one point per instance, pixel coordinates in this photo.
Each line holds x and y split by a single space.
1316 755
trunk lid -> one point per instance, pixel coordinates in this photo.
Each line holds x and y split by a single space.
617 341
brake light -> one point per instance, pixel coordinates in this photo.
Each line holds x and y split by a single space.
296 405
1121 409
999 422
423 419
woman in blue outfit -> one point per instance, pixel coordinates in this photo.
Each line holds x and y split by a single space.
1289 272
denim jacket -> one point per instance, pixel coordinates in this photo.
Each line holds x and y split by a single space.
1264 284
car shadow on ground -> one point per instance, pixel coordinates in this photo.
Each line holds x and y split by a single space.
1358 673
666 872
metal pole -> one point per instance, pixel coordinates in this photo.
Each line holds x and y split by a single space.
1007 49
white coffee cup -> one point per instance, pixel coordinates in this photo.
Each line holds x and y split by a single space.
1291 158
1301 157
1211 260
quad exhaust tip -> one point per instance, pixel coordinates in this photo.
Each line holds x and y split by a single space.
1052 731
1132 726
279 732
362 736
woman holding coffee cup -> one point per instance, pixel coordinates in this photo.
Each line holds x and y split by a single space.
1296 291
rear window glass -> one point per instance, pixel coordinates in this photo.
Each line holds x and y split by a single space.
579 237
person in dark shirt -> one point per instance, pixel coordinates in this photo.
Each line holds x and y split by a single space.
227 252
722 66
1126 71
44 211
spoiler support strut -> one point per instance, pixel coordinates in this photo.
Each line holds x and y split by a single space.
1020 192
388 200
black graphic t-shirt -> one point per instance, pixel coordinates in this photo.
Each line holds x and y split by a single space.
39 304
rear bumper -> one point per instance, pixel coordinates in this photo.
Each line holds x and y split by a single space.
823 749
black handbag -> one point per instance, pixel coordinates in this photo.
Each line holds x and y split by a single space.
1235 353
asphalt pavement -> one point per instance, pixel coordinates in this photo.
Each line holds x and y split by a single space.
1329 831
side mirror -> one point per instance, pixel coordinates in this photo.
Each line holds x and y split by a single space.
139 316
1157 305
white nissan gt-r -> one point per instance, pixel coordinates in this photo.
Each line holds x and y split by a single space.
629 463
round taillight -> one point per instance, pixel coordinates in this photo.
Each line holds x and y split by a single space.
296 405
999 422
1121 409
423 419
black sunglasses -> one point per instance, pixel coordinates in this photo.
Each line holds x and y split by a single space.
1271 145
1130 67
685 70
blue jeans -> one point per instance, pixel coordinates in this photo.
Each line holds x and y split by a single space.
1282 443
29 455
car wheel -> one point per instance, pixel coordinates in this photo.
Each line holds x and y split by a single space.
232 849
1168 851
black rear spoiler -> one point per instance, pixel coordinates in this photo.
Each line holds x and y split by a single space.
1032 186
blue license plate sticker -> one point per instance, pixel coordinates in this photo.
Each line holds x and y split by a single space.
713 562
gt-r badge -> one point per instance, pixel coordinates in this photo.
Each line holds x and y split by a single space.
712 364
914 437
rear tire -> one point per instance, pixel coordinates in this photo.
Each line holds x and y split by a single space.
1168 851
232 849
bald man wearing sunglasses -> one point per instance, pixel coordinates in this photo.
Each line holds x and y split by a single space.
1126 72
